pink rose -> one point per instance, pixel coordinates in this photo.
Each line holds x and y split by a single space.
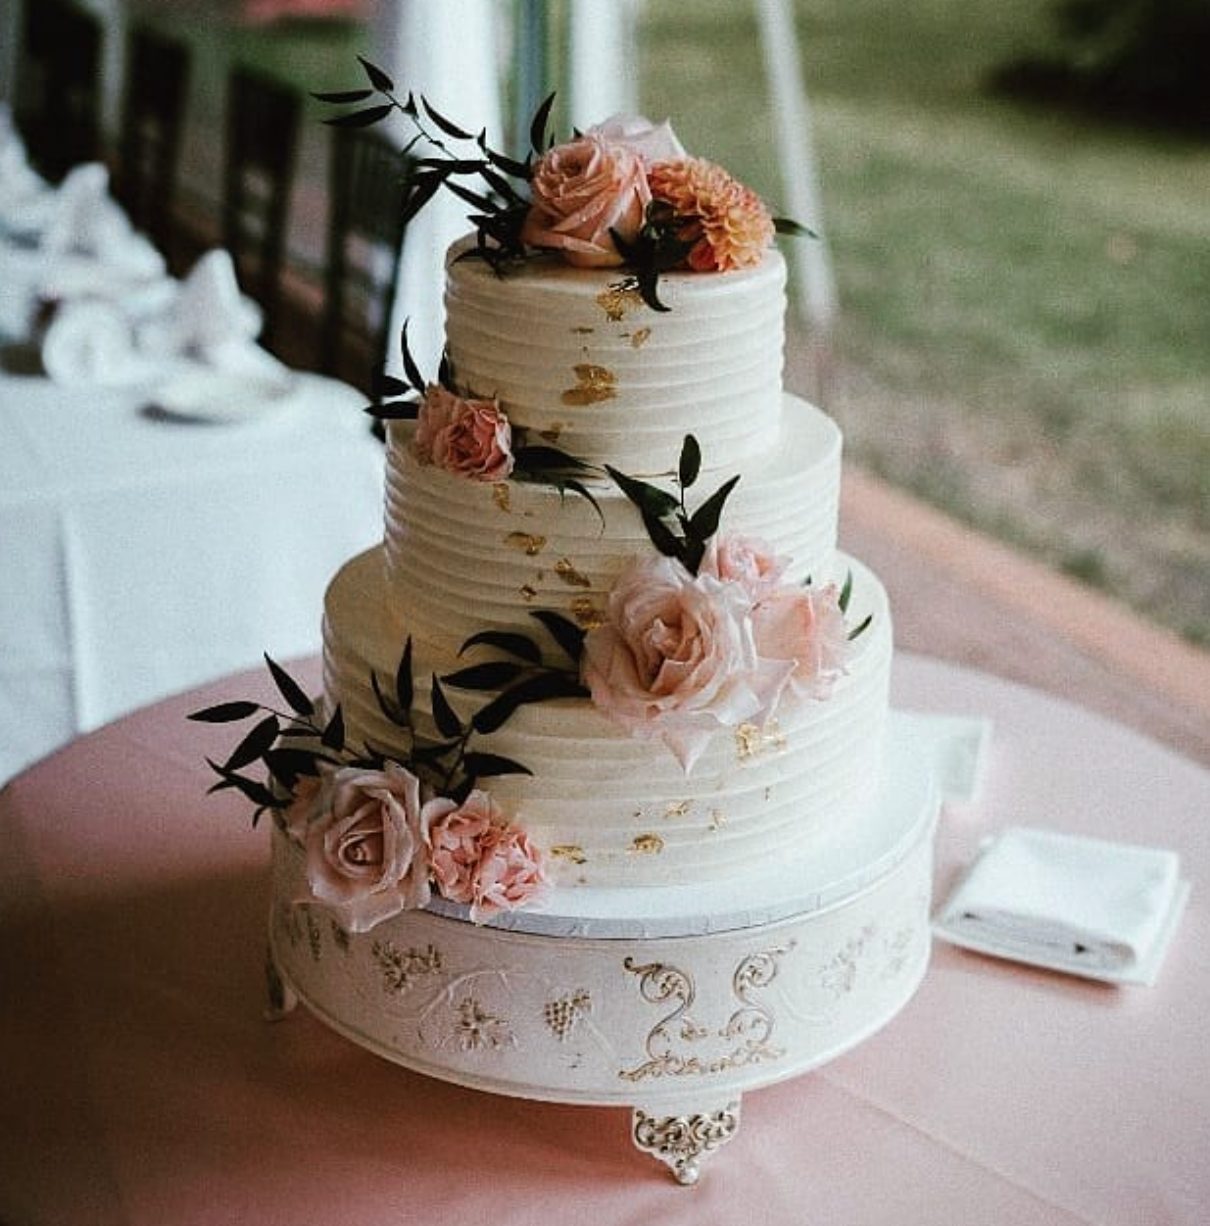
653 142
366 853
455 838
676 658
510 873
746 560
805 626
472 438
582 190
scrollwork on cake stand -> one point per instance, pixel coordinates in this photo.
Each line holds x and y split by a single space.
682 1142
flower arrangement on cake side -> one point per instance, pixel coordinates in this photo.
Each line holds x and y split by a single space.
622 194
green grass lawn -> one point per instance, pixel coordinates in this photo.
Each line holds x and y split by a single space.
1025 296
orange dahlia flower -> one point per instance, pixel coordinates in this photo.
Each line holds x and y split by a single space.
729 221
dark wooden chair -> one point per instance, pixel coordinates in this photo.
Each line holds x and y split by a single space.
153 111
263 118
57 99
367 180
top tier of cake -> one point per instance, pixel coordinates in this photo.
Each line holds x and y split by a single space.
578 360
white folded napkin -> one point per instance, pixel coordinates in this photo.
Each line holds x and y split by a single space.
1086 906
90 343
207 312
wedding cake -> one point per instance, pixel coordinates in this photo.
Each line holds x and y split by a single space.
602 801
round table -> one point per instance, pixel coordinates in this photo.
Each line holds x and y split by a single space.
140 1084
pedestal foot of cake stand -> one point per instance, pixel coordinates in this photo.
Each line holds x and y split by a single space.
281 997
682 1142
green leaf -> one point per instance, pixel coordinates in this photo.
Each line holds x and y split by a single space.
377 78
225 712
704 522
862 627
519 645
252 789
344 97
541 458
444 716
334 733
493 675
290 690
405 688
446 125
254 745
415 378
385 705
360 119
846 593
662 536
690 463
648 498
286 764
532 689
563 630
787 225
537 125
479 764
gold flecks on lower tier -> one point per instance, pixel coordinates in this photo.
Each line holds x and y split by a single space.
586 614
639 337
528 593
573 853
527 542
678 808
500 495
566 570
753 740
647 844
593 384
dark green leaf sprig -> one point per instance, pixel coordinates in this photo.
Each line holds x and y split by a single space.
540 463
463 162
674 530
291 745
846 595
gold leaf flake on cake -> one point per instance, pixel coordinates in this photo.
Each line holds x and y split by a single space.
500 496
639 337
593 384
528 593
718 819
527 542
586 614
573 853
678 808
647 845
753 740
552 432
566 570
583 330
617 300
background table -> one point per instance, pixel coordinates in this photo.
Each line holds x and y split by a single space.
139 1084
140 556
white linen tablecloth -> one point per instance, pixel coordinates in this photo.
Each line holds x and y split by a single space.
140 556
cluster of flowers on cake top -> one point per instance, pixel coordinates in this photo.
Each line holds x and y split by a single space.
375 847
683 654
596 196
623 194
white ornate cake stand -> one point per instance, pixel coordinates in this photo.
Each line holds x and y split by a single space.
673 1002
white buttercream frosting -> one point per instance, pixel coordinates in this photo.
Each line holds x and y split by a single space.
592 369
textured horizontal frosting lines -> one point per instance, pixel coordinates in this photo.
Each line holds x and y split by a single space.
616 810
595 370
463 556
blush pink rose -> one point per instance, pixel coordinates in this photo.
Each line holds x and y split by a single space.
806 627
366 852
676 658
746 560
471 438
510 874
456 837
653 142
582 190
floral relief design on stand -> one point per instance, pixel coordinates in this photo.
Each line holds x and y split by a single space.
746 1034
400 969
563 1015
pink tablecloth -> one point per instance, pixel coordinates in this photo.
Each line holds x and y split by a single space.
138 1083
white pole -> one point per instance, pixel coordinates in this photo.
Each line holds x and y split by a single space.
810 259
446 50
603 67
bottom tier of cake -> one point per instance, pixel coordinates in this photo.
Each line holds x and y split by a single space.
672 1002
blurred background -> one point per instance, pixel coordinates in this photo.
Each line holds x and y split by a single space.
1008 309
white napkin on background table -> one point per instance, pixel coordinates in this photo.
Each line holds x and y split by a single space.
1090 907
91 343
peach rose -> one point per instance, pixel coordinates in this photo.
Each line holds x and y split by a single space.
653 142
366 852
676 658
805 626
456 834
510 873
581 191
472 438
746 560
